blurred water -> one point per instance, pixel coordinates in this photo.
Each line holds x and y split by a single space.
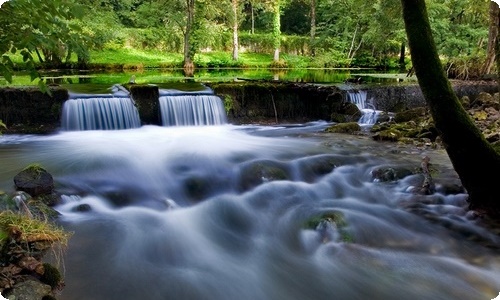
233 212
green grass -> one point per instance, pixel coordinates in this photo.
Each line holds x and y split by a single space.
134 57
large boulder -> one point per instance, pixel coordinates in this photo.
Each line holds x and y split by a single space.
35 181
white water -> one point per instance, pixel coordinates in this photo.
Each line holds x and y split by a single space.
99 113
188 110
369 112
186 213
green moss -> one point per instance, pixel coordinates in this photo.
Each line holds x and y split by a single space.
35 168
350 127
51 276
334 217
228 103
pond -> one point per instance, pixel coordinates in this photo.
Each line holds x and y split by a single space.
100 81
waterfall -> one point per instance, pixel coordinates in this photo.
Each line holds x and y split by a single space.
193 109
99 113
368 110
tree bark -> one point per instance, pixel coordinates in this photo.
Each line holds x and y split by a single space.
235 29
188 60
276 30
402 64
497 51
313 27
473 158
492 38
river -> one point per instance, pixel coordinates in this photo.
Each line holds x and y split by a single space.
255 212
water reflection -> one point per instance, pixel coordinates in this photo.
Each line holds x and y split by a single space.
166 76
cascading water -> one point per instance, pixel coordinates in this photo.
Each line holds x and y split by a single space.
99 113
241 212
193 109
369 113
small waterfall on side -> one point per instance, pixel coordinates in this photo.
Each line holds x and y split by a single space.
193 109
369 113
99 113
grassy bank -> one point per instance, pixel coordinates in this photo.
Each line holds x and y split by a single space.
130 59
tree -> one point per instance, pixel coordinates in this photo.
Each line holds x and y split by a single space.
235 11
276 9
188 29
492 38
473 158
52 33
312 31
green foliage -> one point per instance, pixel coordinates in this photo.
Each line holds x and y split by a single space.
51 38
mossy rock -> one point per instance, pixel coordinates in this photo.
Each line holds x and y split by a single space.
391 135
338 118
390 173
335 218
350 127
258 172
52 276
411 114
34 180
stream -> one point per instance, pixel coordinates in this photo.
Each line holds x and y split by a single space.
256 212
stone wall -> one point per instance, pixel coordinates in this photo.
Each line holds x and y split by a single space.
258 102
396 98
29 110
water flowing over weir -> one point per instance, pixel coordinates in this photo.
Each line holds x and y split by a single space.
255 212
368 110
186 110
99 113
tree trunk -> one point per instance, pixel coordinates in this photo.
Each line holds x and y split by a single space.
473 158
188 60
402 65
313 27
492 38
277 30
235 29
253 17
497 51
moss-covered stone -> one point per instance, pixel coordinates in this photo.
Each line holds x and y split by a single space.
51 276
410 114
350 127
336 219
258 172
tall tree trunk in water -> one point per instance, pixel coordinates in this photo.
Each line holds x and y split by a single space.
473 158
188 59
235 29
492 38
276 29
313 27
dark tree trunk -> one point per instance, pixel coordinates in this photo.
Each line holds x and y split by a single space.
402 65
473 158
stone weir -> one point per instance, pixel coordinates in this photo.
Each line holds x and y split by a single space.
28 110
